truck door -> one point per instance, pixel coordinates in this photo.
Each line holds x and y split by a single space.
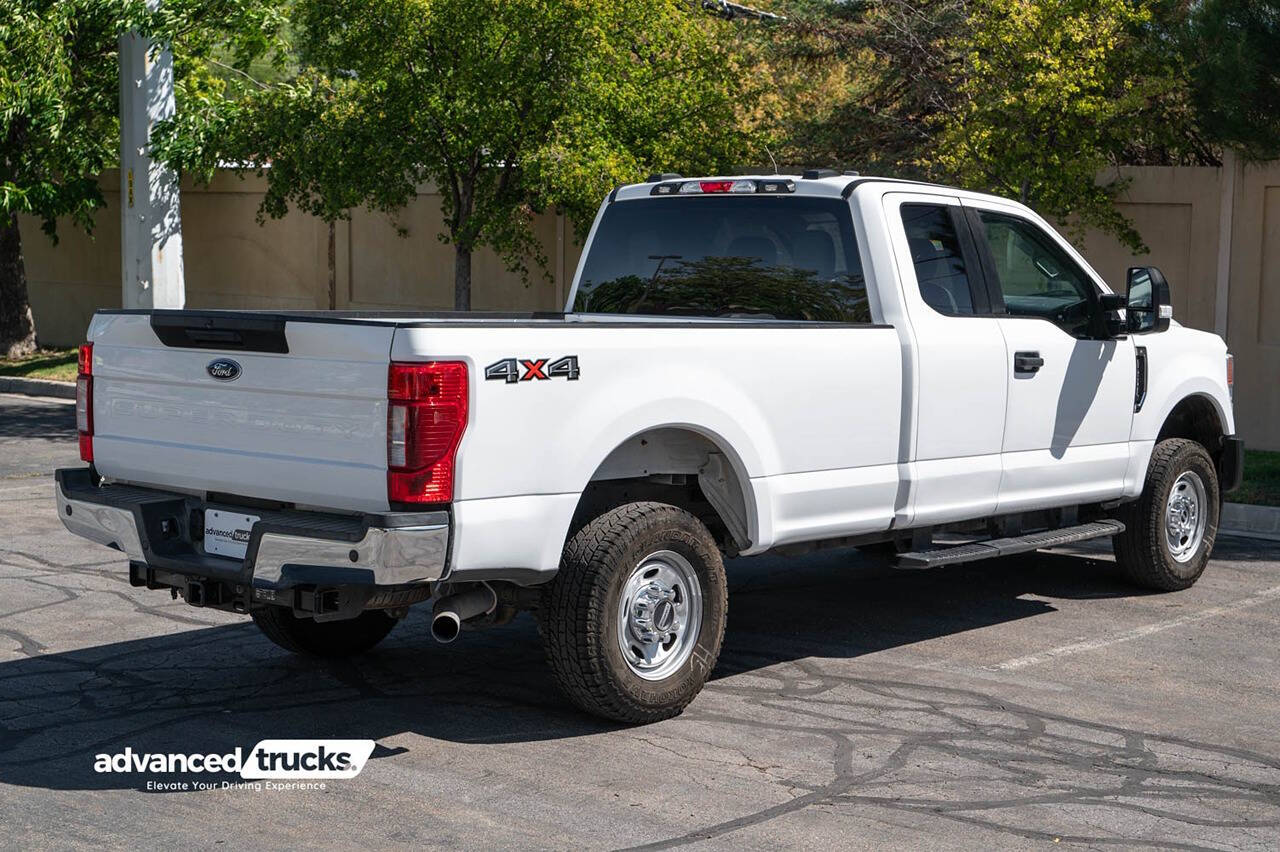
1070 397
957 384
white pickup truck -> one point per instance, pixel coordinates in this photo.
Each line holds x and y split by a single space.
745 364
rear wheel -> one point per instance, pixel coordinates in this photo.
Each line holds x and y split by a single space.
1170 529
323 638
633 621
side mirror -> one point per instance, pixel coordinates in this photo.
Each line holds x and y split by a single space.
1148 307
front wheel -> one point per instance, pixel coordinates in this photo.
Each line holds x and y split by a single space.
633 621
1170 529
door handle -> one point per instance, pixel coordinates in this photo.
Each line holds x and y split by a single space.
1027 362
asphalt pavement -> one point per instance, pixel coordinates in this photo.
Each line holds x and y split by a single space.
1012 703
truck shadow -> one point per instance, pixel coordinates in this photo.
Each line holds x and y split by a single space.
215 688
38 421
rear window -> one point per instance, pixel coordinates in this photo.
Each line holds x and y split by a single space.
784 258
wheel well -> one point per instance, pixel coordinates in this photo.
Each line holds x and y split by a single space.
672 465
1196 419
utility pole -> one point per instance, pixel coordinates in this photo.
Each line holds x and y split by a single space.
150 220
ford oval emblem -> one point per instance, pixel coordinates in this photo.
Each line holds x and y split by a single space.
223 369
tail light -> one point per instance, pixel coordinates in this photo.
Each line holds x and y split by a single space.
84 401
426 415
1231 377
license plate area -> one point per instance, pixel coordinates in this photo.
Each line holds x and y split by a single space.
226 533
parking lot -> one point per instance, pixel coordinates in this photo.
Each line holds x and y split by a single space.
1007 703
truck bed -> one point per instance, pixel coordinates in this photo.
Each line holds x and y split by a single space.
304 422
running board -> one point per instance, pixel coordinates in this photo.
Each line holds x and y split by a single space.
1005 546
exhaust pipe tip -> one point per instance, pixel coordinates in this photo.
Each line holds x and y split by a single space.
445 627
450 611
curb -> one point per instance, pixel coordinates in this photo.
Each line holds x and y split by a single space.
37 387
1251 521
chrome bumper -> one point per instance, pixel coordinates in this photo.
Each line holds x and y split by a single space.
395 557
109 525
285 549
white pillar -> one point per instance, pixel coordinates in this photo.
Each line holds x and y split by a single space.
150 222
1227 203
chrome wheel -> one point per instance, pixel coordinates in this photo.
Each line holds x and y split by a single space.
1185 516
659 614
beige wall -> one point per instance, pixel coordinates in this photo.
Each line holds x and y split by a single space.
1214 232
1176 210
231 261
1253 328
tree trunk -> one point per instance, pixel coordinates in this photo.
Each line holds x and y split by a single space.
17 328
461 278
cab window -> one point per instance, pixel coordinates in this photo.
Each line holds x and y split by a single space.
753 257
1036 277
941 273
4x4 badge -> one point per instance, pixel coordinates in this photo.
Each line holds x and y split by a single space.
512 370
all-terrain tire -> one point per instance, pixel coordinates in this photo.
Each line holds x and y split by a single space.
323 638
579 619
1143 551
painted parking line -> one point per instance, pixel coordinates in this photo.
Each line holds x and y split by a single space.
1138 632
39 481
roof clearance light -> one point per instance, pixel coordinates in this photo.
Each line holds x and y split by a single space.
745 186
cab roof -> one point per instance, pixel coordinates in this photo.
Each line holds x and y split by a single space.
826 183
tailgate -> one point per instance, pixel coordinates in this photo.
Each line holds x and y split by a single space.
299 415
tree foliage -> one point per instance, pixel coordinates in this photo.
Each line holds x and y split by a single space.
890 68
518 106
58 93
507 106
59 109
1233 52
1030 99
1050 95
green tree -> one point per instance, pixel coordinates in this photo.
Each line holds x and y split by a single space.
1051 94
57 87
1029 98
508 106
891 69
1231 48
59 110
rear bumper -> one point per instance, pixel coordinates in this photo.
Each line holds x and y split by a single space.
1231 464
287 549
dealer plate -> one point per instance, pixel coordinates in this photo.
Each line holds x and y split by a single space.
227 533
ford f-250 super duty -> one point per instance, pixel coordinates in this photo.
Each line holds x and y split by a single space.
745 364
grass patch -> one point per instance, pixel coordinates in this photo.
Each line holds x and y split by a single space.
1261 484
56 364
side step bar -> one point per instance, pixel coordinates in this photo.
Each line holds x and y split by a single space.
1005 546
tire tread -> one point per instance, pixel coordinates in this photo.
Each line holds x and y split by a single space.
1140 547
574 605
